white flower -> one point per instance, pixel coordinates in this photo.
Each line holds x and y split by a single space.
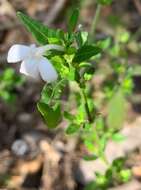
34 64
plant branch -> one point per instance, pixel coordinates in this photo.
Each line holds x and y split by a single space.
86 105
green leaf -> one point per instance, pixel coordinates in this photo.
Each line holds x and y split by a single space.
125 175
73 74
124 37
85 53
80 116
69 116
72 128
118 163
73 21
52 93
105 2
39 31
81 38
60 66
105 44
89 72
90 157
46 93
102 145
89 145
52 115
9 81
85 64
118 137
99 123
116 111
58 89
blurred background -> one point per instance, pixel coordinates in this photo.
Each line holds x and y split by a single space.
31 156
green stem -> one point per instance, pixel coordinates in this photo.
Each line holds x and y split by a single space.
86 105
95 21
103 156
105 160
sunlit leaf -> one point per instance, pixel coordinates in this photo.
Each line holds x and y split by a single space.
69 116
89 145
72 128
118 137
81 38
86 52
52 115
90 157
41 32
73 21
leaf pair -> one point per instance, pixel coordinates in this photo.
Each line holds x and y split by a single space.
52 115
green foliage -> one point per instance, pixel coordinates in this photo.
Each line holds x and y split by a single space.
105 44
41 33
118 137
125 175
114 174
9 82
89 72
51 114
73 21
81 38
49 105
124 36
86 52
105 2
72 128
90 157
94 110
51 94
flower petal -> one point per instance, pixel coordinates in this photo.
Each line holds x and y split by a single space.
47 71
29 67
17 53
